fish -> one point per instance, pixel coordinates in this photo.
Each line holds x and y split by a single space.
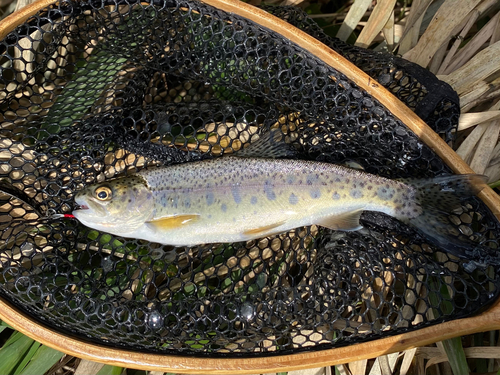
231 199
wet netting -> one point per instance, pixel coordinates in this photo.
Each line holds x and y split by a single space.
91 90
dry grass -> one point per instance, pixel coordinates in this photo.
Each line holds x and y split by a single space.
459 40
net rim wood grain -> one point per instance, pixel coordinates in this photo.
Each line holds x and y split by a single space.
183 364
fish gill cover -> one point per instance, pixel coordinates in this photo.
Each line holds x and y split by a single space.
91 90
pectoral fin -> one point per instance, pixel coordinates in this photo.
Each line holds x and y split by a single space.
266 230
348 221
172 222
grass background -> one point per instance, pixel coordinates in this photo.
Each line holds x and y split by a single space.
458 40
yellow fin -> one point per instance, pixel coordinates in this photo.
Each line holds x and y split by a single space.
262 230
172 222
348 221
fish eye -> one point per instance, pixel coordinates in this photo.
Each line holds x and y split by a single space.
103 193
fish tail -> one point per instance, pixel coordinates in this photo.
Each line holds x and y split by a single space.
445 192
436 199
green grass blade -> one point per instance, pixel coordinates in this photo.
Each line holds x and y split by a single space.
495 184
453 347
481 363
44 358
110 370
27 358
456 356
13 352
13 338
136 372
3 326
85 87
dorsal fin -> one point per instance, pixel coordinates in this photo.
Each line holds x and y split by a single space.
353 165
271 144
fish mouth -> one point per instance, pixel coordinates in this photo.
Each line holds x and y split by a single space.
87 206
90 207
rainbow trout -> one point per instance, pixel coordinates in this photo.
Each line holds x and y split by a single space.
232 199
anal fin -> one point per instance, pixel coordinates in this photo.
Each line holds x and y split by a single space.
265 230
348 221
172 222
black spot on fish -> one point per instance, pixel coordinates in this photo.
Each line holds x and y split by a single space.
293 199
385 193
210 198
235 190
355 193
315 193
268 190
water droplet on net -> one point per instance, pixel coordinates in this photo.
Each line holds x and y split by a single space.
155 320
247 310
27 249
107 264
261 280
157 254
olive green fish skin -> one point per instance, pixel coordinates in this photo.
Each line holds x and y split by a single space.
233 199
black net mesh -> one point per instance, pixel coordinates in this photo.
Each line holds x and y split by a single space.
91 90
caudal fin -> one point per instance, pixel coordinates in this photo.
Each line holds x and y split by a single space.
438 198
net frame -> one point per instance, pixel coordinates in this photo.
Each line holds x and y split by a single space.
485 321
